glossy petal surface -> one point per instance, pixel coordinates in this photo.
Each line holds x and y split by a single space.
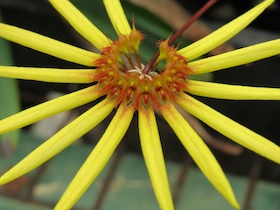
98 157
200 153
60 140
231 129
80 23
47 45
117 16
232 92
152 152
224 33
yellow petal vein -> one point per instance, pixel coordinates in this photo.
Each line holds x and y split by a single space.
60 140
49 108
224 33
48 74
236 58
80 23
117 16
98 157
231 129
152 152
47 45
198 150
232 92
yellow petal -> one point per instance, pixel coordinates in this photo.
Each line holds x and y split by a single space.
98 157
236 58
224 33
152 151
232 92
231 129
198 150
47 45
48 74
117 16
49 108
80 23
60 140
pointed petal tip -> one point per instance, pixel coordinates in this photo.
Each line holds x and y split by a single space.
98 157
153 156
200 153
232 200
8 177
224 33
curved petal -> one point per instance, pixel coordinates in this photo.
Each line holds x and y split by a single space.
80 23
232 92
198 150
48 74
49 108
117 16
236 58
224 33
47 45
230 128
60 140
152 151
98 157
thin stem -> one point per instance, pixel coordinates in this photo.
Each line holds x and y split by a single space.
149 65
198 14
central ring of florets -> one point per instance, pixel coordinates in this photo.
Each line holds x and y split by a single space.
120 74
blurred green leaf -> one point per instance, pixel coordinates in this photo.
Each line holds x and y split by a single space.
9 98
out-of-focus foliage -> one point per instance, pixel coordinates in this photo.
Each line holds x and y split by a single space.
9 99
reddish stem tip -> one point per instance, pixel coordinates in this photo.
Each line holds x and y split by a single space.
198 14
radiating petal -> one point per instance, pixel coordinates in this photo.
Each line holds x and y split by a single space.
198 150
47 45
236 58
60 140
48 74
49 108
117 16
98 157
232 92
80 23
224 33
230 128
152 152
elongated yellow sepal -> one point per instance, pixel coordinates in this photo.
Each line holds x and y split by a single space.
117 16
80 23
98 157
48 109
232 92
231 129
60 140
236 58
152 152
48 74
224 33
200 153
47 45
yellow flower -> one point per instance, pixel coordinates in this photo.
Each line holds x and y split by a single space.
120 77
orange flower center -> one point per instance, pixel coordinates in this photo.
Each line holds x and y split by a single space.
120 76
